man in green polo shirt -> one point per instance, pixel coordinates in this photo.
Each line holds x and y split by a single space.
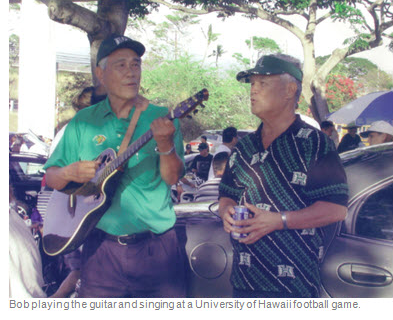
134 251
289 175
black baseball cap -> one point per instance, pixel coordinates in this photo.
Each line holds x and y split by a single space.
269 65
116 41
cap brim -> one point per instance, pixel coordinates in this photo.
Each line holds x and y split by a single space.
244 76
136 46
270 65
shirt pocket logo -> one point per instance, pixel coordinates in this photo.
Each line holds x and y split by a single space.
99 139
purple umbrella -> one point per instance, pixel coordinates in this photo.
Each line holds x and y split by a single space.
367 109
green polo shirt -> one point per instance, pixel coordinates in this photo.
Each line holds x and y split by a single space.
142 200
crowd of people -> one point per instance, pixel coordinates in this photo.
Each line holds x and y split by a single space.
287 173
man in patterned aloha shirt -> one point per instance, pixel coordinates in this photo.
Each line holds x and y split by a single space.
289 175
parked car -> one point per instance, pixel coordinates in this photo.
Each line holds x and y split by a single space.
241 133
213 140
25 176
358 259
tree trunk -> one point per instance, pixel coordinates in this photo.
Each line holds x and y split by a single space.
111 17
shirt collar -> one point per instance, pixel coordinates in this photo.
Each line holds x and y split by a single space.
106 108
293 128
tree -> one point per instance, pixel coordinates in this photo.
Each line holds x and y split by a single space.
210 38
218 52
341 90
112 15
98 18
263 46
369 32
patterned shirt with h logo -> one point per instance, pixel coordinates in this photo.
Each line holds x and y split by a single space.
298 169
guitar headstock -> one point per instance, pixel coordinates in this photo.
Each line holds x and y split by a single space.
185 107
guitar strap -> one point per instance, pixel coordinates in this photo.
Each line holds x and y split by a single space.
131 127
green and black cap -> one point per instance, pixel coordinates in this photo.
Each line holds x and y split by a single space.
116 41
269 65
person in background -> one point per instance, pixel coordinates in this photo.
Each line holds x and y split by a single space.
329 128
229 140
378 132
210 187
204 139
290 177
188 149
351 140
201 164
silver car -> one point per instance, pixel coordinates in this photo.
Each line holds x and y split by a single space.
358 260
359 256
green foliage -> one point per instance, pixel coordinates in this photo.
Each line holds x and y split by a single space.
351 67
352 77
263 45
359 42
69 84
362 71
13 49
244 62
174 81
344 11
13 83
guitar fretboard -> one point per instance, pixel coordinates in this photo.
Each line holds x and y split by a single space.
180 111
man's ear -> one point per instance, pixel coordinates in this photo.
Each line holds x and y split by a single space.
99 74
292 88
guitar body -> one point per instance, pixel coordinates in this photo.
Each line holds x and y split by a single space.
73 212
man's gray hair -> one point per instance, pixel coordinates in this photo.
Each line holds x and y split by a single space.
102 63
290 78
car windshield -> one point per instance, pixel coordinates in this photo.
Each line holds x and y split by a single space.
210 137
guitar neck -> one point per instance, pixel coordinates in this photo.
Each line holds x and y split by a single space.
181 110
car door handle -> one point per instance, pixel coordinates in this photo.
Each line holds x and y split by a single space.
361 274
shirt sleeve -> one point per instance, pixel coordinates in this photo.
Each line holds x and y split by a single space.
67 150
326 178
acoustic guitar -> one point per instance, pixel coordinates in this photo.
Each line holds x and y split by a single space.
73 212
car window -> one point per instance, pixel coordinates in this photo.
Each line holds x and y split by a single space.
25 170
211 137
375 217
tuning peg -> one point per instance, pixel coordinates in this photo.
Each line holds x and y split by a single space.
202 105
189 117
195 111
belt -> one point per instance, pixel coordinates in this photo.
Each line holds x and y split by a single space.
129 239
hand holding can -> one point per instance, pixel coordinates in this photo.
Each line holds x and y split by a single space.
241 213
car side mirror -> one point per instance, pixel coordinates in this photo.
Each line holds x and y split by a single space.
213 208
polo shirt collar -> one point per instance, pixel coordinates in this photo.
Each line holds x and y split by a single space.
106 108
293 128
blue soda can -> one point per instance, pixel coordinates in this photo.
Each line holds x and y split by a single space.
241 213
